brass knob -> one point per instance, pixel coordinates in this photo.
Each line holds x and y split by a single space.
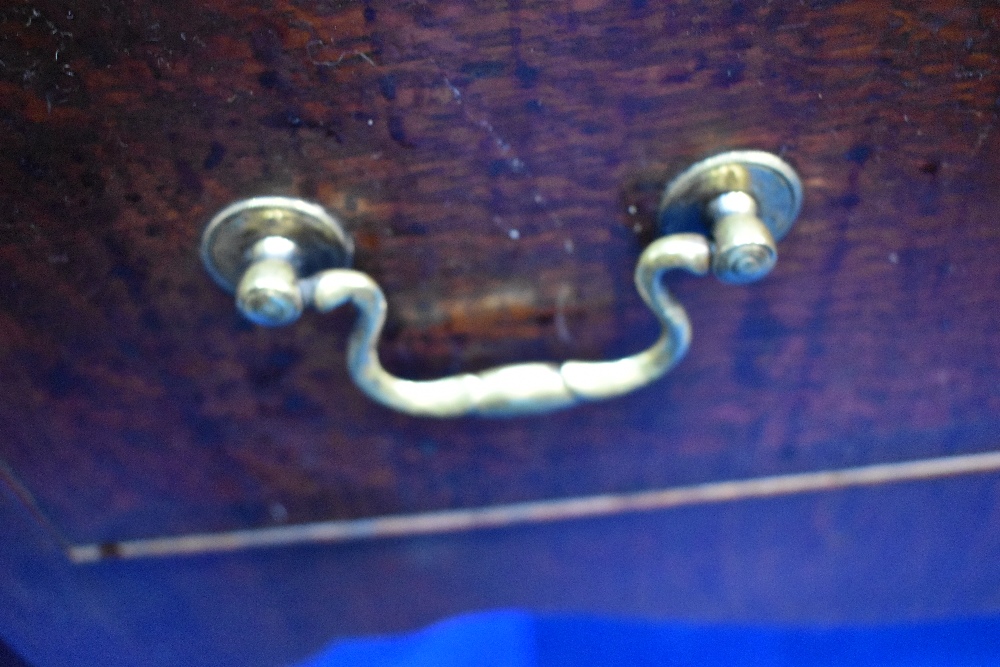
745 201
745 251
269 291
262 249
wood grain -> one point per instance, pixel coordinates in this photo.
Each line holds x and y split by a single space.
499 166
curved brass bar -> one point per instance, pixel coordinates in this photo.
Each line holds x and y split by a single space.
526 387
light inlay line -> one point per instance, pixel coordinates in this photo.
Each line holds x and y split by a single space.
541 511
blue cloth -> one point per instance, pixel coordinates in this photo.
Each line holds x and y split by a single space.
518 639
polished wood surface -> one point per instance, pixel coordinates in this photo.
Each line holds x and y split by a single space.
499 166
500 170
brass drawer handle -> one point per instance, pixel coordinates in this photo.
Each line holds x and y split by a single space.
280 254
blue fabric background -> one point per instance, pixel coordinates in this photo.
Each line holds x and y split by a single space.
519 639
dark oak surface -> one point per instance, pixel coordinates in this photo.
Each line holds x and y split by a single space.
499 165
136 403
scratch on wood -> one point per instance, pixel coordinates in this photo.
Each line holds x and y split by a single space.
313 45
562 329
983 135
